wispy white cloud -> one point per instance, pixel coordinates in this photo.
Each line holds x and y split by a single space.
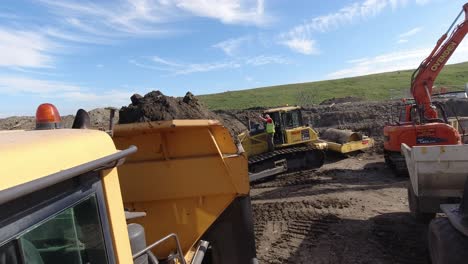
180 68
151 17
263 60
410 32
70 102
393 61
148 66
174 68
300 38
102 19
69 96
112 97
301 45
25 49
422 2
165 62
228 11
231 46
21 84
403 37
60 35
205 67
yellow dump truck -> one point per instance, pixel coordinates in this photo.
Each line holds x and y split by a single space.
181 196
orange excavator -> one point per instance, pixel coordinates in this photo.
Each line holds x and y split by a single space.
425 122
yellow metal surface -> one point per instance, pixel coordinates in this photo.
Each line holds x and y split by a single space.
348 147
185 173
300 135
117 222
282 109
257 144
253 145
30 155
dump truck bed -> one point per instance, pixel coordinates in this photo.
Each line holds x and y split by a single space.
437 170
185 175
437 175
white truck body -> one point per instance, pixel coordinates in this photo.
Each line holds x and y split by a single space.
437 176
437 171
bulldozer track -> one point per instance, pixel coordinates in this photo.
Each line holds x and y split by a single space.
277 152
397 163
297 158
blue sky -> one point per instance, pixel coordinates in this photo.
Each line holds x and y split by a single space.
84 54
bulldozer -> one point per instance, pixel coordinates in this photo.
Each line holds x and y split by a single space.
296 144
157 192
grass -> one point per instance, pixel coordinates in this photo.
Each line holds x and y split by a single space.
380 86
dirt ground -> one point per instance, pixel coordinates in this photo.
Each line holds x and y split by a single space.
351 210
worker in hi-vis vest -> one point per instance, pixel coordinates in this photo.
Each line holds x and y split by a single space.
270 129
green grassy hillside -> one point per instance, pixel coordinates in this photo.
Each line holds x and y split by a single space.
370 87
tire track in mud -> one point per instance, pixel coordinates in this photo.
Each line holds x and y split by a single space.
282 229
317 217
289 179
400 238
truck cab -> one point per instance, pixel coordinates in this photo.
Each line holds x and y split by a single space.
60 198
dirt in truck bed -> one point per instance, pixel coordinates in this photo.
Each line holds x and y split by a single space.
155 106
350 211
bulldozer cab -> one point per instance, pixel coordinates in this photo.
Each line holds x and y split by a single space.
284 118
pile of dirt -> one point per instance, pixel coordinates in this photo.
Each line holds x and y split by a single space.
340 100
155 106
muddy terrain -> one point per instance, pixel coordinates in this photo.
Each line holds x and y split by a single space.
350 211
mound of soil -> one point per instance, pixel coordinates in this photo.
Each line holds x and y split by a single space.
155 106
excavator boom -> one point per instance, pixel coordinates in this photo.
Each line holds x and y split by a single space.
423 78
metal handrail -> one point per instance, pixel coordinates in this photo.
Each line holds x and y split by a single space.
179 254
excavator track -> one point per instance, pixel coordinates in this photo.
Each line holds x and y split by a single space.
302 157
397 163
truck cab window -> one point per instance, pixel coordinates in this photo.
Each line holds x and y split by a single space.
73 236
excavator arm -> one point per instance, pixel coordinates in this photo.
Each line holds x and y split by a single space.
423 78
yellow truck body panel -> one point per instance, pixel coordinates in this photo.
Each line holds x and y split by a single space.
187 176
184 175
32 155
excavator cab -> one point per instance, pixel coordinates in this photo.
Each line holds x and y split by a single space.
409 114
